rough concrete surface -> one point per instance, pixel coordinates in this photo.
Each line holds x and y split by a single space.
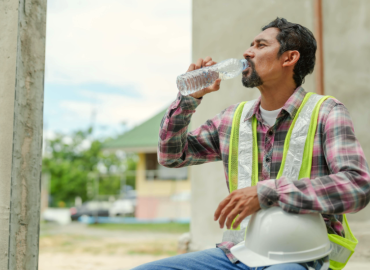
360 260
22 55
8 48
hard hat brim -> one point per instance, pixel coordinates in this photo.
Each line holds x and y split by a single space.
253 259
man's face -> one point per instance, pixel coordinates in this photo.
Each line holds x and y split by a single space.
264 65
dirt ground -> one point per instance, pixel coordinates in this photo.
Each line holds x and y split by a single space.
77 246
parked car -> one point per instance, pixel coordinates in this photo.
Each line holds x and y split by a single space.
91 208
57 215
123 207
132 196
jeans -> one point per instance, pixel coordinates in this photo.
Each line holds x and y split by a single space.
209 259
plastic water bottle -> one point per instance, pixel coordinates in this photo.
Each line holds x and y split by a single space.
199 79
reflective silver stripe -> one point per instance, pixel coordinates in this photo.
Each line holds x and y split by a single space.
233 236
339 253
298 138
236 236
245 159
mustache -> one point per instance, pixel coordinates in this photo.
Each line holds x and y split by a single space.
250 63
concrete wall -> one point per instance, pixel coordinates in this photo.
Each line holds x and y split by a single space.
347 67
224 29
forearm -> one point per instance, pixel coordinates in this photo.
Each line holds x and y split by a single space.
344 192
346 189
177 147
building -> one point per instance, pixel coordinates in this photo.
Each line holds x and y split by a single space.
161 192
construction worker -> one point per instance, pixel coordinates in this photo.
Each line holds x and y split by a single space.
267 163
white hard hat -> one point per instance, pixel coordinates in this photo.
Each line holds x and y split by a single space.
275 236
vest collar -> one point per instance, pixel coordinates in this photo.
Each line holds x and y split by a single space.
291 106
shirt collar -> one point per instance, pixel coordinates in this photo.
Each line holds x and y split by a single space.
291 106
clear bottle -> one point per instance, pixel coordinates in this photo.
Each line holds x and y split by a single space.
199 79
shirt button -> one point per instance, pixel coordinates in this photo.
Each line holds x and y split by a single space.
269 202
271 133
268 159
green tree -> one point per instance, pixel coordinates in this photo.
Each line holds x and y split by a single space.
74 162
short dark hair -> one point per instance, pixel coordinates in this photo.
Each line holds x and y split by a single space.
296 37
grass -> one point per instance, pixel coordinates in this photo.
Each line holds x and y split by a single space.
160 227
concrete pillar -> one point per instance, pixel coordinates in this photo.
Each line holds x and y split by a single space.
22 57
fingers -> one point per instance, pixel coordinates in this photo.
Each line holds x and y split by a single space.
191 67
242 202
210 63
201 63
207 59
214 87
225 214
220 207
231 216
226 210
240 218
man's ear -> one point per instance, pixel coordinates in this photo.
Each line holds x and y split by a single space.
290 58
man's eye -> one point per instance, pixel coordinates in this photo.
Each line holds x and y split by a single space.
259 45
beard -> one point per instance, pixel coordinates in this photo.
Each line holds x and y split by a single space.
253 80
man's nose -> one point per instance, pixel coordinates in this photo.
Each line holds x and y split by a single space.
248 53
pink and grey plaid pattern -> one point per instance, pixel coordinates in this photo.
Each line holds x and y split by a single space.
340 179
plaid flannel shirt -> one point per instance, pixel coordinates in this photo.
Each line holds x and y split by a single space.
340 180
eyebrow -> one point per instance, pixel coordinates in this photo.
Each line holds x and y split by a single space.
259 40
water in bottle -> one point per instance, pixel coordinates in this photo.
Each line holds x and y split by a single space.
199 79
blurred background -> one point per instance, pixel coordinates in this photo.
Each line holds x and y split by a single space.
111 68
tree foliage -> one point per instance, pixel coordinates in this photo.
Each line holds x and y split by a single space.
77 163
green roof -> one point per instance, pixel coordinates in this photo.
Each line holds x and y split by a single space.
142 136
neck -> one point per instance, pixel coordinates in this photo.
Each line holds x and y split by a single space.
275 95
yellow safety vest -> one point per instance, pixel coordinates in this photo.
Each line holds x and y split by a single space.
343 247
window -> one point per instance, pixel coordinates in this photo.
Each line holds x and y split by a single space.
151 161
155 171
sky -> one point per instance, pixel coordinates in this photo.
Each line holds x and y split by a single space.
112 63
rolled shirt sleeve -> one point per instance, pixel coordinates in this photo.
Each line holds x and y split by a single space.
177 147
345 190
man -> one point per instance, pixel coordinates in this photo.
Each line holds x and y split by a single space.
279 58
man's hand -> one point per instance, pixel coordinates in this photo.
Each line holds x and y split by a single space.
204 63
243 201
